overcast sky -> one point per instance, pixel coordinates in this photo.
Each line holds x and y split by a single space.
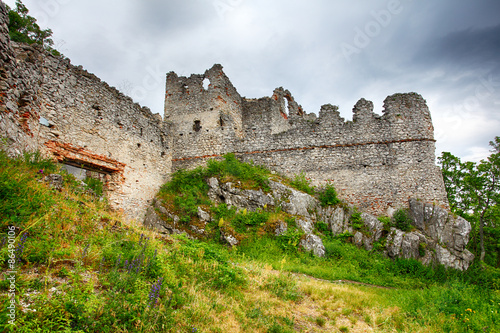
323 51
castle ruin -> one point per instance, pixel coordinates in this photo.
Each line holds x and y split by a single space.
376 162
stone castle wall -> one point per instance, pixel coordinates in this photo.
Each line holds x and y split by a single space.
375 162
51 105
19 104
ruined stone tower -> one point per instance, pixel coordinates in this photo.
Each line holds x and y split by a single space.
376 162
204 113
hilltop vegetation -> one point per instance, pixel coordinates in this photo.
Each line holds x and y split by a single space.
82 269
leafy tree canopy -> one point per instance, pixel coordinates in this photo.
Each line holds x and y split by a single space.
473 191
24 29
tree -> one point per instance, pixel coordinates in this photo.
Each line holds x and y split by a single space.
473 191
24 29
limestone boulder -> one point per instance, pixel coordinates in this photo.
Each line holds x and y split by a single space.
55 181
374 226
231 195
313 243
228 239
447 234
305 224
203 215
335 218
281 228
292 201
160 219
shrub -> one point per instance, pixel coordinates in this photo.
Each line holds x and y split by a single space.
328 196
21 195
379 245
324 229
290 239
95 185
346 236
300 182
189 190
402 220
37 161
386 221
421 249
356 220
252 220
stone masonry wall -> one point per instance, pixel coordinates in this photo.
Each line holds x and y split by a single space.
375 162
75 117
204 111
19 103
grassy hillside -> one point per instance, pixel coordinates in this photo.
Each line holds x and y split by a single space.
80 268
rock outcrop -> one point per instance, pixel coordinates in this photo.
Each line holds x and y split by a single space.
434 237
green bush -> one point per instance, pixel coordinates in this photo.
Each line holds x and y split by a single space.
37 161
328 196
22 196
386 222
379 245
300 182
323 228
402 220
289 241
222 211
356 220
189 190
345 236
244 222
421 249
95 185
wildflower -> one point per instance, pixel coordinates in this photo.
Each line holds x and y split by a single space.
85 250
118 261
20 247
40 171
470 310
101 263
155 292
194 330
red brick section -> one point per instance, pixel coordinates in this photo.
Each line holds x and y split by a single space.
307 148
67 152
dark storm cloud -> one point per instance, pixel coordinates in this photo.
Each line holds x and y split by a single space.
157 17
471 47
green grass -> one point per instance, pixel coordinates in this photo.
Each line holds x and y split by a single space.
300 182
84 270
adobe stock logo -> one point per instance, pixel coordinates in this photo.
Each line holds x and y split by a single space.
456 117
224 6
364 36
152 80
49 9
